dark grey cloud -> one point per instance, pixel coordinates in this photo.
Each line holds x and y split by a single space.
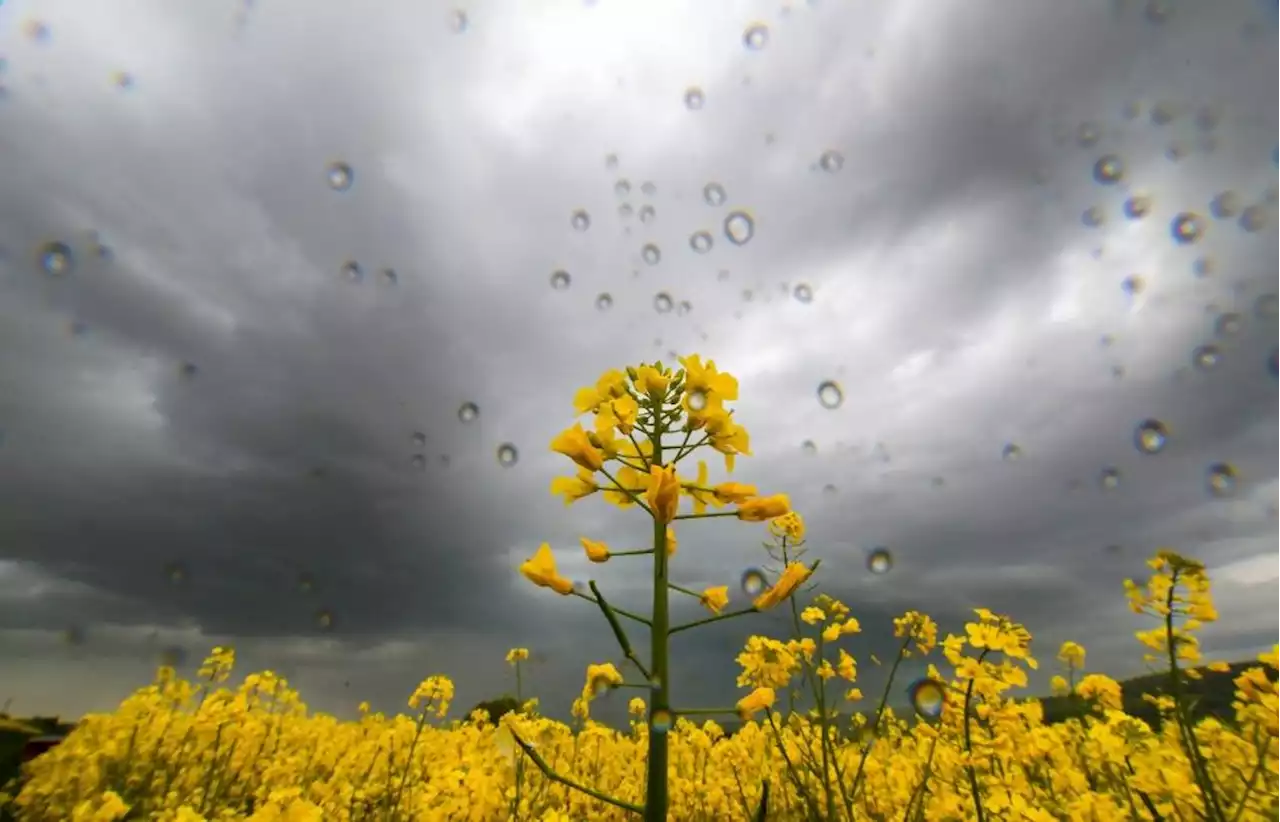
211 433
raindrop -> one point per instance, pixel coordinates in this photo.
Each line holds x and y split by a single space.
1093 216
1151 436
756 36
188 370
340 176
662 302
1109 479
324 619
831 161
419 462
468 411
651 254
611 162
74 635
625 211
1186 228
683 308
508 455
1203 267
700 241
173 656
1108 169
927 697
176 572
647 214
713 194
560 279
739 227
661 721
879 561
1163 112
1088 135
1176 151
1132 285
458 21
803 293
305 582
622 188
809 447
390 277
1137 206
1253 218
122 80
1206 357
1011 451
753 582
1271 363
697 400
828 489
55 258
352 272
37 31
604 302
830 395
648 189
600 685
694 98
1265 306
1228 325
1225 206
1221 479
580 220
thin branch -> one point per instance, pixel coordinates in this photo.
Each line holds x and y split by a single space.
569 783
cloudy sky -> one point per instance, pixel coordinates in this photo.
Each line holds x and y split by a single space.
214 430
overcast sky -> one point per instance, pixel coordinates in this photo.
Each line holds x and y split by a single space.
211 432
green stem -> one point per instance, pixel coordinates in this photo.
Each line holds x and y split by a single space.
968 742
633 495
618 611
618 633
656 797
635 553
875 727
712 515
717 618
569 783
675 587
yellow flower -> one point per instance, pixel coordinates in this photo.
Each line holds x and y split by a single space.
760 699
663 494
793 576
763 508
651 381
812 615
540 569
831 633
733 492
790 525
671 541
517 655
698 492
707 380
714 599
1059 685
847 667
596 551
573 443
600 678
576 487
1071 654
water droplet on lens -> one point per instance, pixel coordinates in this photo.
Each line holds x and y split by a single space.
700 241
694 98
1163 113
697 400
1108 169
647 214
352 272
661 721
468 411
324 619
390 277
1137 206
458 21
604 302
753 582
340 176
682 309
1132 285
828 489
176 572
1011 452
1109 479
1228 325
625 211
739 227
756 36
580 220
803 293
600 685
1265 306
1206 357
55 258
305 582
560 280
1093 216
1088 134
831 161
1186 228
1225 205
622 188
928 696
1221 479
809 447
1151 436
1253 218
507 455
662 302
1157 11
830 395
713 194
651 254
419 462
648 189
879 561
